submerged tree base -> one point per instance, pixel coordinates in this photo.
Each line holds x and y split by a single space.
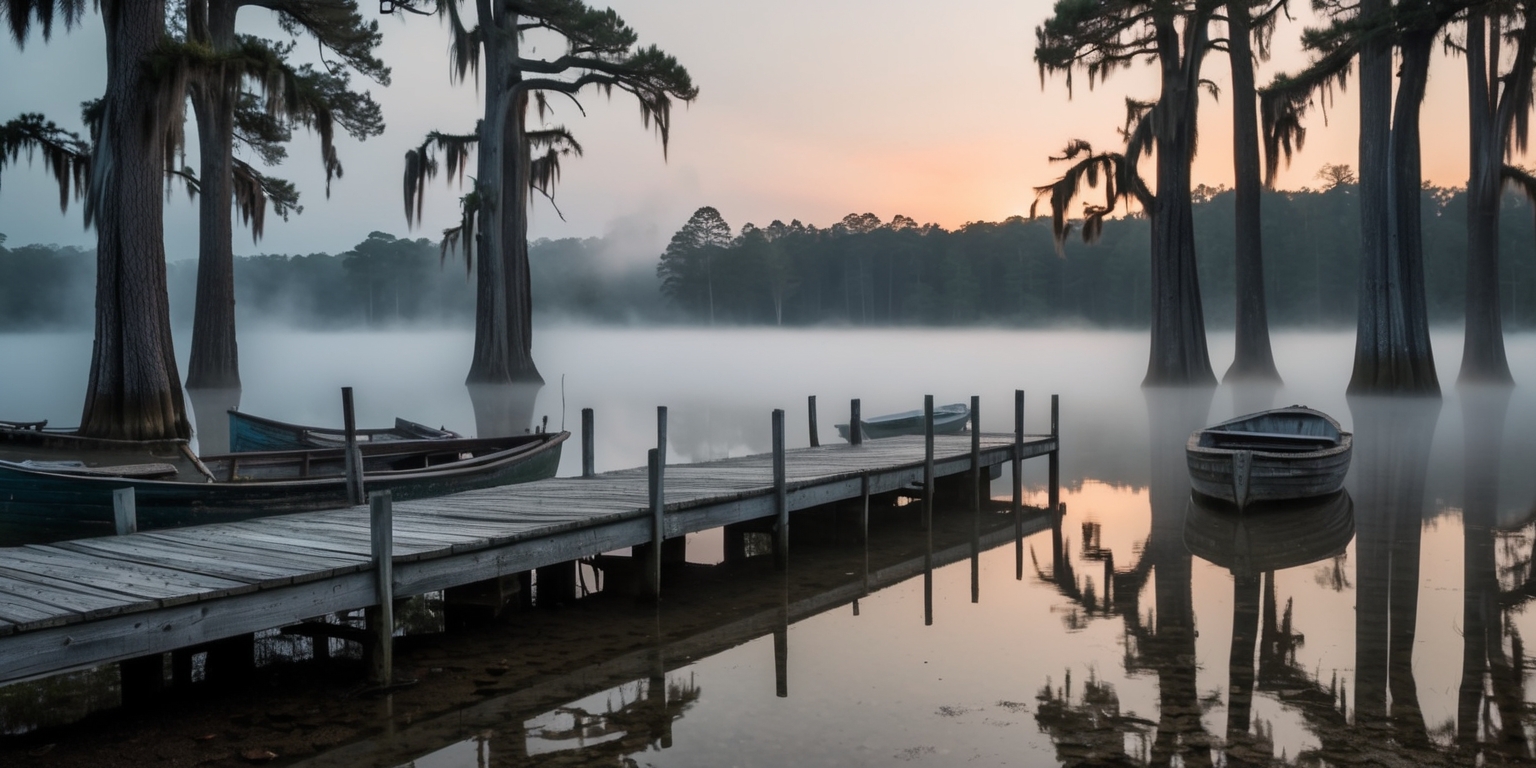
1394 378
1257 371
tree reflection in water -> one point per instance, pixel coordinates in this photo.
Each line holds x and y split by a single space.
1382 723
641 720
1167 647
1490 716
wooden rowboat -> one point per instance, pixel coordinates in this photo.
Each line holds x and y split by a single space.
183 490
947 419
1278 455
254 433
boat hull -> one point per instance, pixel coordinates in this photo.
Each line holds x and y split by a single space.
253 433
1271 476
947 420
56 501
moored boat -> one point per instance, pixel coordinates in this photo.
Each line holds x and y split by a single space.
255 484
255 433
1276 455
947 419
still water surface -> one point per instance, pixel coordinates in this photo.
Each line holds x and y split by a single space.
1382 628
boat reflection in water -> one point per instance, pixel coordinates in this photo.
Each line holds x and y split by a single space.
1270 538
1253 546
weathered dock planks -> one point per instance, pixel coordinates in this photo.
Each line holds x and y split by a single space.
75 604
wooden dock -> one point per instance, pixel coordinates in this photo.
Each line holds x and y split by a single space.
75 604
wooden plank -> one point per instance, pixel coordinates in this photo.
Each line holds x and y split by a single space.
148 553
243 548
25 612
277 539
62 596
285 547
121 575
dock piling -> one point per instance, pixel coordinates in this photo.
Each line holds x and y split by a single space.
1055 458
928 462
780 496
125 511
855 423
811 409
656 461
588 449
381 618
354 459
976 454
864 511
1018 484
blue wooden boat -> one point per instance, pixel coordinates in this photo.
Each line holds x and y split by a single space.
947 419
174 488
254 433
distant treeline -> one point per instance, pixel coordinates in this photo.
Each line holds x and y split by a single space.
382 281
864 271
860 271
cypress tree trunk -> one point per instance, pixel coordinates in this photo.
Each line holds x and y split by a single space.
1419 377
1179 355
1483 359
519 289
1392 354
499 43
215 359
1253 358
134 390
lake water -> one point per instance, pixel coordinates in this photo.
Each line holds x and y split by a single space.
1383 628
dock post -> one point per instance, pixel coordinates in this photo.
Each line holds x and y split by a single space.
354 458
124 511
815 433
927 462
1055 462
863 537
1018 484
657 460
588 450
864 510
780 496
381 618
781 656
651 588
975 499
855 423
976 454
928 582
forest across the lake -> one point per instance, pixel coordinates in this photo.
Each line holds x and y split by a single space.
859 271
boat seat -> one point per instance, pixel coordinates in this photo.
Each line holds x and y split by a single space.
122 470
1223 434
